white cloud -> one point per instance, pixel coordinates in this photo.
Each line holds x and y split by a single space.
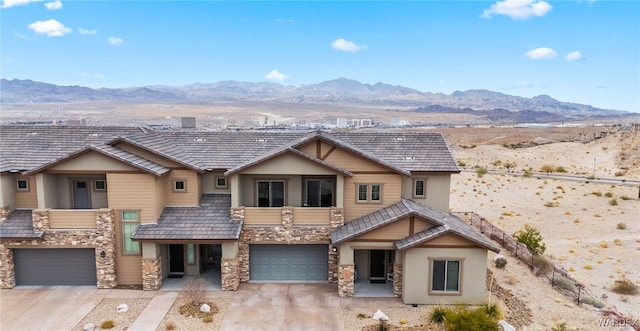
276 75
51 28
542 53
54 5
518 9
573 56
116 41
13 3
284 20
346 45
86 31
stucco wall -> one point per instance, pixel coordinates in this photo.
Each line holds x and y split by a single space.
437 193
416 271
7 191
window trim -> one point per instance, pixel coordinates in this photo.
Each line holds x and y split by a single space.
178 190
369 193
124 237
415 187
458 292
95 185
27 187
217 184
271 180
305 189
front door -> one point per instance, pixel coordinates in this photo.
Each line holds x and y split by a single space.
81 198
376 264
176 258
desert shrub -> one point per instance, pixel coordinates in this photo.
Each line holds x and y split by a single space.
438 314
613 202
592 301
562 327
500 261
527 173
464 319
624 197
509 166
170 326
625 286
530 237
107 324
481 171
542 265
560 169
492 310
621 226
564 283
195 289
619 173
597 193
462 164
363 316
603 244
207 319
608 194
547 168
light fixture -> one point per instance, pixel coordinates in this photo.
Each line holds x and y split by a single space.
335 249
103 254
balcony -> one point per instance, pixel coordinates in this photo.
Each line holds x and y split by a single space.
67 219
292 216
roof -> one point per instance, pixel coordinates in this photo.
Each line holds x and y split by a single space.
19 225
209 221
115 153
445 223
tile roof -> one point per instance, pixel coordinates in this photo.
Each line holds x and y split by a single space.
209 221
19 225
406 207
116 153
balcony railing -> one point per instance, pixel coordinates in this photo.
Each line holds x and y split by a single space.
72 218
302 216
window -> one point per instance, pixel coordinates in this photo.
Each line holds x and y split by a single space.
445 275
129 224
99 185
191 254
270 193
221 182
419 188
22 185
319 192
179 185
369 193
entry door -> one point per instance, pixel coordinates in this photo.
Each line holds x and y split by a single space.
81 198
376 264
176 258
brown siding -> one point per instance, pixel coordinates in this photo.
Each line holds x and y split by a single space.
449 240
311 216
72 219
262 216
134 191
149 156
188 198
161 197
394 231
351 162
129 271
391 192
27 199
421 225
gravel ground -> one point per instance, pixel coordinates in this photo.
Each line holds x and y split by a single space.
184 323
106 310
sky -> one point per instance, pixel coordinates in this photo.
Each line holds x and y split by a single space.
578 51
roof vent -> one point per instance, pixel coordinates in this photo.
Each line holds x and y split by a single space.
398 138
199 139
408 158
33 133
95 134
261 140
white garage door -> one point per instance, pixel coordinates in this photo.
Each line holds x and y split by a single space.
289 262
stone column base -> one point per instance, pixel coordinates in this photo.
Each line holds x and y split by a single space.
397 280
346 285
230 274
7 271
151 274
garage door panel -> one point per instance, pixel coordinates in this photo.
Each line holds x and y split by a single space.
288 262
62 266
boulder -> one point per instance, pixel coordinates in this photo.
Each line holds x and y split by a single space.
122 308
205 308
504 326
88 327
380 316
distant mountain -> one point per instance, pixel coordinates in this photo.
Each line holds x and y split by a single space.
337 91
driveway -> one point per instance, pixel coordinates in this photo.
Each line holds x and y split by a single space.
252 307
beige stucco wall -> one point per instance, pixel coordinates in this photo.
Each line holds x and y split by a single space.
191 196
391 193
134 191
27 199
346 250
438 188
417 269
148 155
208 183
8 191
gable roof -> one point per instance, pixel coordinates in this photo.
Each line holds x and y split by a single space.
153 145
19 225
210 220
112 152
445 223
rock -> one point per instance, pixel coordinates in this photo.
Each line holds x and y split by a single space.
380 316
500 261
504 326
122 308
205 308
88 327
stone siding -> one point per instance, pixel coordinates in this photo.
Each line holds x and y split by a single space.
397 280
4 213
229 272
102 238
346 284
337 217
151 274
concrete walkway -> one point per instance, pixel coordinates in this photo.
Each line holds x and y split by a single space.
154 312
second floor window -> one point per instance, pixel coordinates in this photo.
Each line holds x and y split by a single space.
319 192
369 193
270 193
130 222
419 188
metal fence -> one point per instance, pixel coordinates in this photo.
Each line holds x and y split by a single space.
558 277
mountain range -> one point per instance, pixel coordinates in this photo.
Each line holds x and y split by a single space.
337 91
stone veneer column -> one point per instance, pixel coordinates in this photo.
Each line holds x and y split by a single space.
106 242
237 213
230 274
397 280
40 219
337 217
333 265
7 274
346 286
243 260
151 274
287 217
4 213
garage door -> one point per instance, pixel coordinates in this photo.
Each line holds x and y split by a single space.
289 262
63 266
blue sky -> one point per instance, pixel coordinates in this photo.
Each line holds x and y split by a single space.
577 51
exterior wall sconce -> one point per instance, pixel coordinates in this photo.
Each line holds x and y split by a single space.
334 249
103 254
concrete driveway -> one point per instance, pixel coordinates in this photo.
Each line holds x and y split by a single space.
252 307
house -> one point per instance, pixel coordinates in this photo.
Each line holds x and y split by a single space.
112 206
